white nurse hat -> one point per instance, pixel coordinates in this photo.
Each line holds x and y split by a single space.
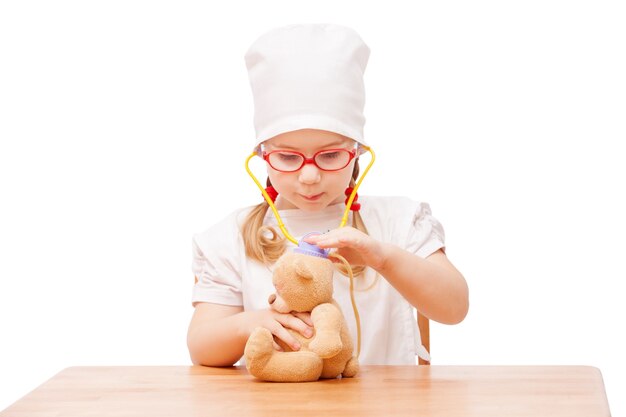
308 76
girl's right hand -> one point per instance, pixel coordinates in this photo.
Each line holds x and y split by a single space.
278 323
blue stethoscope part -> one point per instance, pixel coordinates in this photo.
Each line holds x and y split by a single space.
311 249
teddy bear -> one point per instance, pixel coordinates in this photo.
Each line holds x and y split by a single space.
303 280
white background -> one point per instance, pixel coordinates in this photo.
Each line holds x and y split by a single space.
124 126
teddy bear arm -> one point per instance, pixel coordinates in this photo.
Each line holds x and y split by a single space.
327 320
326 317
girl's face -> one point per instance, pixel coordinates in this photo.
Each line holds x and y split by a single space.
309 188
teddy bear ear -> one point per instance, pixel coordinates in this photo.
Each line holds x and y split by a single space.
303 269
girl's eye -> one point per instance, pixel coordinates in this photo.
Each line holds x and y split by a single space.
288 157
329 156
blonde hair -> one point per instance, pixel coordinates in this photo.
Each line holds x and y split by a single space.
266 245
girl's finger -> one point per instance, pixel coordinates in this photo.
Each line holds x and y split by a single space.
312 239
293 322
305 317
282 333
329 242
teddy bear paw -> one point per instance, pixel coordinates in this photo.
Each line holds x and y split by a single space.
326 347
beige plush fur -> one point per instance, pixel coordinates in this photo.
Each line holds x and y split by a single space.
304 284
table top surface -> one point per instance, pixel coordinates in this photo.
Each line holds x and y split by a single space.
377 390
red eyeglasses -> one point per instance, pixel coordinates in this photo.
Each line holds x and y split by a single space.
326 160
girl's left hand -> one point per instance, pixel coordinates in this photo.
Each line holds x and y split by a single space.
357 247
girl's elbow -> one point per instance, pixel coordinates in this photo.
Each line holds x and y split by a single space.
203 360
458 309
454 316
201 355
196 350
461 313
211 363
194 354
462 307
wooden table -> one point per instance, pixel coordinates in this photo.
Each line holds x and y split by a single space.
178 391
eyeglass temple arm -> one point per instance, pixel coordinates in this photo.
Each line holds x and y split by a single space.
281 225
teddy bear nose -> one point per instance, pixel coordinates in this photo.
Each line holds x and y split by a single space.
271 299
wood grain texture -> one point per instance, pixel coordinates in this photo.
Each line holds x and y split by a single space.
377 391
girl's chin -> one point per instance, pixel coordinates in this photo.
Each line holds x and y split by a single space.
309 206
301 205
317 203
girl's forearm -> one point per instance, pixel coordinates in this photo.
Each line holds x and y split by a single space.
218 341
433 286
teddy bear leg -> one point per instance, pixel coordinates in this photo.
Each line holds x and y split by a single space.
332 368
268 364
351 369
340 365
259 349
301 366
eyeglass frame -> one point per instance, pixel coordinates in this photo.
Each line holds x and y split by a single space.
305 160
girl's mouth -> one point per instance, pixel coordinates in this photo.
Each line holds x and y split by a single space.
313 197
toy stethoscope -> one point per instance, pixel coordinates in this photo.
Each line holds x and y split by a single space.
361 149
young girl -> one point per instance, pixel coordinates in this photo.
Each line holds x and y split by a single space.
307 84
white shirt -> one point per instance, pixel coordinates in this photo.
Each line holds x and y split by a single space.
389 332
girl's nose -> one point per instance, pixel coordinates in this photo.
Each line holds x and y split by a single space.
309 174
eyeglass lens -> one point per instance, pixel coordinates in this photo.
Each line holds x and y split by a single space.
326 160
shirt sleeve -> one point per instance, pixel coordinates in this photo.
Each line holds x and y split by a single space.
425 233
215 264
